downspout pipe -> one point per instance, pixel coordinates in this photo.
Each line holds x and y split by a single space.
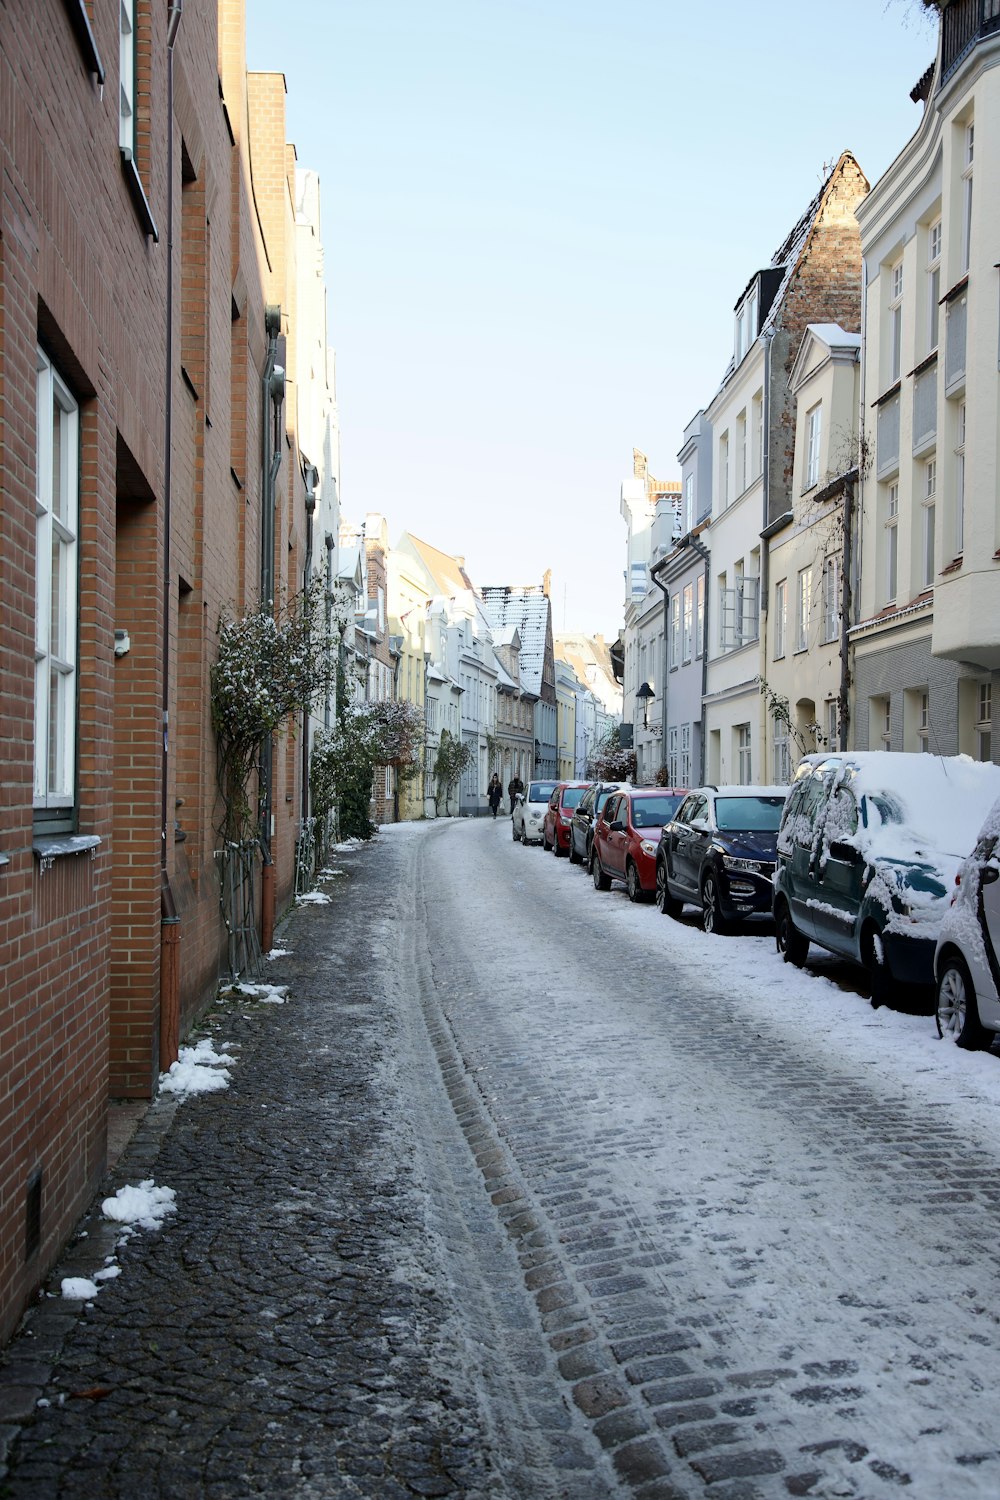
311 475
706 558
169 1038
665 591
273 396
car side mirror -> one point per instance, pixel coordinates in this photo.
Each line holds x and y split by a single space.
846 853
699 825
617 826
988 874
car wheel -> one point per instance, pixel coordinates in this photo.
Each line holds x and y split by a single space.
790 942
957 1013
632 883
556 848
712 919
668 905
574 858
545 843
875 961
602 882
513 831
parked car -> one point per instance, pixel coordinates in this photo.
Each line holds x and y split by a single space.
966 964
868 851
626 837
529 811
581 828
718 853
565 798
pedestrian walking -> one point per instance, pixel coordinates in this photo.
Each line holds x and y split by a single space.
514 787
495 793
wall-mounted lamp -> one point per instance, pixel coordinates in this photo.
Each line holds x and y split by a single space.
123 643
645 692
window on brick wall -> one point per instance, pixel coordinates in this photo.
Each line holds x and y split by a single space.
57 498
126 75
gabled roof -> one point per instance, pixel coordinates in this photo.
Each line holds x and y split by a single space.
448 572
829 341
528 610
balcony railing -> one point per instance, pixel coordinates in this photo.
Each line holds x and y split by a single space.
963 24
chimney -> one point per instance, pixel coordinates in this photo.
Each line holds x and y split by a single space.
547 582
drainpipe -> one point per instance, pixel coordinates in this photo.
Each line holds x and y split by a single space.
765 551
169 1039
845 614
664 590
311 475
273 395
705 556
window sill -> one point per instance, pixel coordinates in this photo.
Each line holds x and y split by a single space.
4 860
50 847
80 22
887 395
138 193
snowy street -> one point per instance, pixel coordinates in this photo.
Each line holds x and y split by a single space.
526 1191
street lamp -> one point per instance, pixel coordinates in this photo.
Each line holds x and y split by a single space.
645 692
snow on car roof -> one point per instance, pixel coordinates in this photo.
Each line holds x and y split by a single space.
941 799
750 791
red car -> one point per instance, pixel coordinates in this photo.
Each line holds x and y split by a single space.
626 836
559 815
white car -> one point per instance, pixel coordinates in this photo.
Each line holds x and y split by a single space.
529 811
966 964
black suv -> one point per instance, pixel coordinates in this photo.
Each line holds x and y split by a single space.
719 853
581 830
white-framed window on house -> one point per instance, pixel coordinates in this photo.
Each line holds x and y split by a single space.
880 722
699 616
814 435
689 502
57 501
684 767
895 346
725 613
126 75
672 757
832 724
803 608
757 444
675 630
968 155
742 452
891 541
923 721
928 509
744 761
687 623
781 752
960 479
780 617
831 598
933 284
984 721
724 471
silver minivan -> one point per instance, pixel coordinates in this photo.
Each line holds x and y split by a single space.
966 965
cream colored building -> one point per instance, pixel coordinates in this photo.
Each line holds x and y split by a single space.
802 668
567 688
408 603
927 641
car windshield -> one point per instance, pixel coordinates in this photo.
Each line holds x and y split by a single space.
541 791
571 796
653 812
748 814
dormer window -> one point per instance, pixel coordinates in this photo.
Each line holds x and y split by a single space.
746 321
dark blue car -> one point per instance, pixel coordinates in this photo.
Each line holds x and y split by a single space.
719 853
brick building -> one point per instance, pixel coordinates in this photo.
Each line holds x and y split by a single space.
146 302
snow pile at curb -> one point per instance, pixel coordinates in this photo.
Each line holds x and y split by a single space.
313 898
198 1070
266 994
142 1207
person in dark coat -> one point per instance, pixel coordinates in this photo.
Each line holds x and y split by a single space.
514 787
495 793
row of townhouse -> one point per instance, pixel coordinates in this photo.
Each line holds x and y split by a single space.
480 663
829 574
168 457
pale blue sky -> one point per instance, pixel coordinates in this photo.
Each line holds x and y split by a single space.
538 215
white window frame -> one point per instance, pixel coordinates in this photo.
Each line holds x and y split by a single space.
831 598
724 471
687 623
960 479
780 617
699 616
984 721
895 345
126 75
923 721
934 242
803 608
744 755
672 756
968 157
892 542
57 512
685 757
929 510
689 502
814 430
675 630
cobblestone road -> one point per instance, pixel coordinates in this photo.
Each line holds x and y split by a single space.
509 1201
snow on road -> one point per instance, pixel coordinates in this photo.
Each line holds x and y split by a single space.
809 1182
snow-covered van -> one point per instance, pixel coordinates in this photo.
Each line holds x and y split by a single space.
868 850
966 961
